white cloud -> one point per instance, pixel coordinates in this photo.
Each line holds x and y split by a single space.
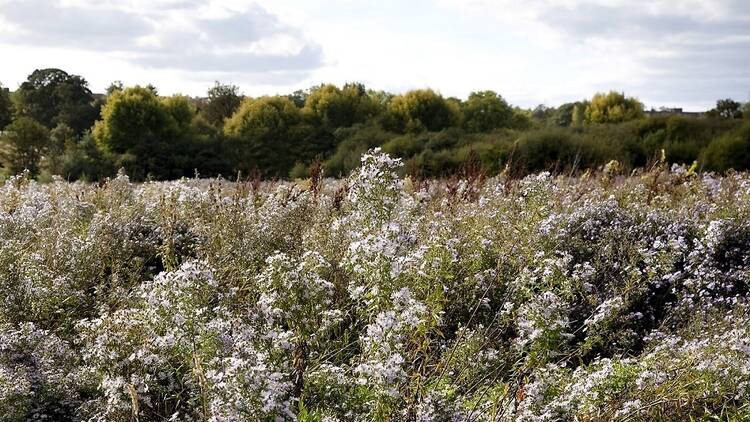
667 52
637 46
178 34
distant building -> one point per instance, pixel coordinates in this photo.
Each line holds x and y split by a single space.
666 111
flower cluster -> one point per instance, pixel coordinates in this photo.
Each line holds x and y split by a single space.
377 297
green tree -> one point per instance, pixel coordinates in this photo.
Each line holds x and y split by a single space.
578 116
486 110
521 119
263 115
52 96
223 101
728 109
335 107
563 116
381 98
114 87
6 107
612 107
264 131
23 143
421 110
84 160
543 113
147 134
182 110
60 137
299 97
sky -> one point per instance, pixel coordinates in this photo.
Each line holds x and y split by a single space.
668 53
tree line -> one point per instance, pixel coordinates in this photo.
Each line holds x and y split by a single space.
54 125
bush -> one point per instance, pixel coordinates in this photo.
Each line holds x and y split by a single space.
682 138
730 151
351 144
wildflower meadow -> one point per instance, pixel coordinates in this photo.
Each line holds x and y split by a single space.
379 297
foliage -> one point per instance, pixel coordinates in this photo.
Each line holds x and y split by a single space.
182 111
486 110
82 159
730 151
564 115
554 150
23 143
132 119
262 130
167 137
727 109
377 297
351 144
52 96
223 101
148 135
60 136
261 116
612 107
335 107
683 139
6 107
421 110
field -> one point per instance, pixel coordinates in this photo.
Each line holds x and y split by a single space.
597 297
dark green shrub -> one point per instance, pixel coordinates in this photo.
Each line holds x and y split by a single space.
730 151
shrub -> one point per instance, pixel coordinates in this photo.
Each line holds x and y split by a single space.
730 151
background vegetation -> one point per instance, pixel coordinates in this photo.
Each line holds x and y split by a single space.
53 124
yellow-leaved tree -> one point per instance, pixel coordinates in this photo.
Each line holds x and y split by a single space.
612 107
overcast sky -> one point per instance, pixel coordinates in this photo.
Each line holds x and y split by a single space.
682 53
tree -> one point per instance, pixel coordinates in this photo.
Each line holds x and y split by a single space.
299 97
261 116
52 96
612 107
115 86
264 132
728 109
6 107
421 110
486 110
181 109
543 113
23 143
223 101
61 137
148 135
335 107
83 159
381 98
578 116
563 115
521 119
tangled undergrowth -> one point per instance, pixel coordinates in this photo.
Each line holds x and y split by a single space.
601 297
